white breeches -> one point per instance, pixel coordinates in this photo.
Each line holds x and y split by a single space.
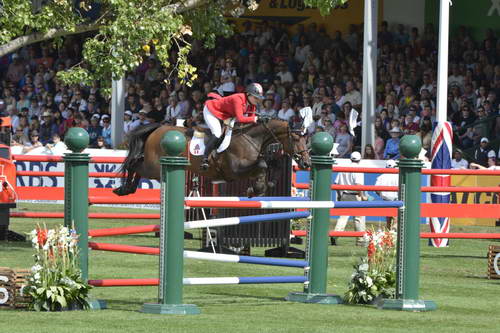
212 122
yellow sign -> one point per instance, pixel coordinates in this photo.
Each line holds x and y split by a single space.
475 198
293 12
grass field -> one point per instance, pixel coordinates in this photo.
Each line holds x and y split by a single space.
454 277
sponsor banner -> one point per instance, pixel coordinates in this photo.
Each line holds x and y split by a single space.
293 12
475 198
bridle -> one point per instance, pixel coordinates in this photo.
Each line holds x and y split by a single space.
298 156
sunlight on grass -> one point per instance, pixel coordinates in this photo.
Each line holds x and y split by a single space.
454 277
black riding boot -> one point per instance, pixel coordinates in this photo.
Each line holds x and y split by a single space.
212 141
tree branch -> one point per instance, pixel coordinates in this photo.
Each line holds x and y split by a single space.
36 37
17 43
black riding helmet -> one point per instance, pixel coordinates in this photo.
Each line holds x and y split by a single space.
255 90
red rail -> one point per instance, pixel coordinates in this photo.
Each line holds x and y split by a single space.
424 171
60 215
462 235
459 189
46 158
124 248
124 282
124 230
61 174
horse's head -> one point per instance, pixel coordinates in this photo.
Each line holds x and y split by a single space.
299 149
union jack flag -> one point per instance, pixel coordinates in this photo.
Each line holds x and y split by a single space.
441 159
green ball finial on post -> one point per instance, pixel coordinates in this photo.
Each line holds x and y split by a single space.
173 176
173 143
76 189
321 179
77 139
321 143
410 146
408 256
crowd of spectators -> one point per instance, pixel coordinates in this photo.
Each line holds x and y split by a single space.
298 66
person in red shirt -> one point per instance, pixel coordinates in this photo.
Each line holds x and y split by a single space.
241 106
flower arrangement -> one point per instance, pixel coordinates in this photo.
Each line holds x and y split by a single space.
56 282
375 276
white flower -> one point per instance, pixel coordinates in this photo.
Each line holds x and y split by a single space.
36 268
369 281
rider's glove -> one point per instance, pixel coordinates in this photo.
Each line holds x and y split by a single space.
262 119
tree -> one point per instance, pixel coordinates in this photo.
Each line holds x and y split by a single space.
124 31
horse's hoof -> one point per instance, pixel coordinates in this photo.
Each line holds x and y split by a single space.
271 184
123 190
118 191
250 192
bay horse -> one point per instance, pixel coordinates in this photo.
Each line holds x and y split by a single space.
243 159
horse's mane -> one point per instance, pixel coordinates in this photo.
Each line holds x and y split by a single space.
243 128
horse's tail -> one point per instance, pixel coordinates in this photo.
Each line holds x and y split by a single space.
136 141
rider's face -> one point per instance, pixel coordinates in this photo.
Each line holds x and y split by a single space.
253 100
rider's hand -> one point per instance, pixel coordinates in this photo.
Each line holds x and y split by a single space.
262 119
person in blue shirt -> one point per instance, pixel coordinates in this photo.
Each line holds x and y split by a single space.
392 145
106 129
94 130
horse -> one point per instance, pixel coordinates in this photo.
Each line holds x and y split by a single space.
243 158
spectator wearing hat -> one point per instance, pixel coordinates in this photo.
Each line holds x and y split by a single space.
47 128
141 120
351 178
127 122
388 179
94 130
458 162
481 152
106 129
391 150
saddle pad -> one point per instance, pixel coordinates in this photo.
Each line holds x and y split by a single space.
197 144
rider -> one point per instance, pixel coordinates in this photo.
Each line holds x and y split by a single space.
243 106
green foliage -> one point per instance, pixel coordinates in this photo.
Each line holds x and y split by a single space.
368 284
127 31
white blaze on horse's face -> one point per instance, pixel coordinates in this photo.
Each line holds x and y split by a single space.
300 153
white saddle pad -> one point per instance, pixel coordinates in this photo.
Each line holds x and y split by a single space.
197 144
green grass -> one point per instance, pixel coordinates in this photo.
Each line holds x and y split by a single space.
454 277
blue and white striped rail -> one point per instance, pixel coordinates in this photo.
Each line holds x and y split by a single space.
211 202
244 220
245 259
245 280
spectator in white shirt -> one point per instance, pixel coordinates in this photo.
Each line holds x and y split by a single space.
284 74
174 110
458 162
127 122
286 111
389 179
352 95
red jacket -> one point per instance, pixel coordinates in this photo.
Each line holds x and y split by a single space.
235 105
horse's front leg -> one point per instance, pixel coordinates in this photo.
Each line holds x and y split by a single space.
259 188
